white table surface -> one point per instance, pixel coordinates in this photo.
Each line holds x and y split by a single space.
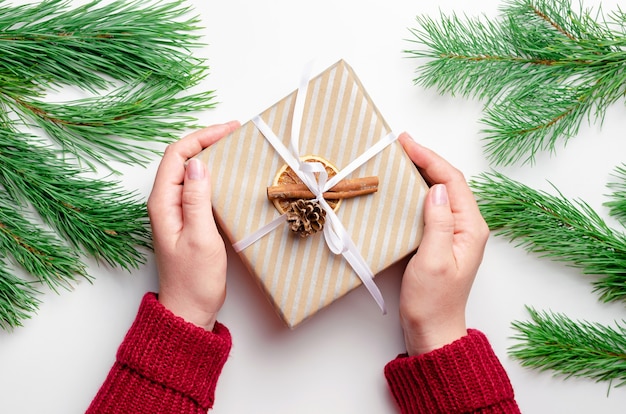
333 363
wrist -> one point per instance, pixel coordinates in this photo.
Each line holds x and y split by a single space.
194 315
424 338
422 344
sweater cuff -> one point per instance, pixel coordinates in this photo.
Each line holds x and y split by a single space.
168 350
463 376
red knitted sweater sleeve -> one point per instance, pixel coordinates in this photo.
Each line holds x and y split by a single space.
462 377
164 365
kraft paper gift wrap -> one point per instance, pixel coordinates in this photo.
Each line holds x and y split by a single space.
339 122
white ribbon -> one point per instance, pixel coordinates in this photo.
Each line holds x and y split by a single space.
315 177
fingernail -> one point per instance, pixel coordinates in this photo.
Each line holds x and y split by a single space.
233 124
440 194
195 169
411 137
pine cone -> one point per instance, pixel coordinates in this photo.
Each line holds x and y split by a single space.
306 217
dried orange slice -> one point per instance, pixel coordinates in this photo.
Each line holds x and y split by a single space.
286 175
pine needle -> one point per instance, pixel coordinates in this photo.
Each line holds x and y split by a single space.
95 216
117 126
617 205
556 228
552 341
41 253
51 43
134 60
145 46
541 68
18 299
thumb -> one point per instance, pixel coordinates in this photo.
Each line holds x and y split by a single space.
196 199
438 234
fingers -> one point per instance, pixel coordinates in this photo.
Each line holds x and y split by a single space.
437 170
170 170
208 136
165 201
438 236
470 227
196 201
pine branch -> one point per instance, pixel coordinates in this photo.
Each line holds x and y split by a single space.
18 300
617 205
135 61
541 68
116 126
47 45
554 227
551 341
39 252
53 44
530 121
94 215
471 57
550 20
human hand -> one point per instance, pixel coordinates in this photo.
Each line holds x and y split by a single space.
438 278
190 253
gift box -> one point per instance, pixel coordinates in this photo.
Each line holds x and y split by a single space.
338 122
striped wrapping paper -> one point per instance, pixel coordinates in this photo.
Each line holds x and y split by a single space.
300 275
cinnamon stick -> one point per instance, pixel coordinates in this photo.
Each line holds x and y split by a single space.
344 189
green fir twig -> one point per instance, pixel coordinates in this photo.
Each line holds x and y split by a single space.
556 228
52 43
617 204
541 68
95 216
552 341
145 47
18 299
131 64
118 126
40 252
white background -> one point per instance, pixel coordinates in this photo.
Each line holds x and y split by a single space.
334 362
